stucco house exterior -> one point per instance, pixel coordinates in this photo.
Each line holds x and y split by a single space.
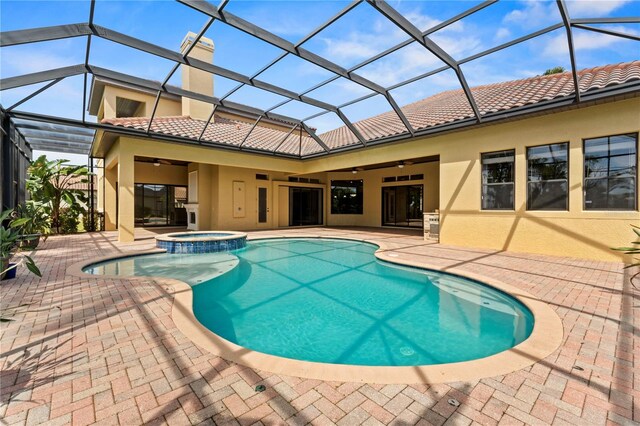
560 181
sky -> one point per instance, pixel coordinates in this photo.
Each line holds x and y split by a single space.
355 37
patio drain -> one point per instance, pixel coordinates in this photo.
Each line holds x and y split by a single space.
454 402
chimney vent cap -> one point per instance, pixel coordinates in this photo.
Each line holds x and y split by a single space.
204 42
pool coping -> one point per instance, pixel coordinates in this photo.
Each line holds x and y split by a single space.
546 337
171 237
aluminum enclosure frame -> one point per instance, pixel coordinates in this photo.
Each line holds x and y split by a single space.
81 142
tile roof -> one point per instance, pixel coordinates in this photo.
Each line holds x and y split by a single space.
225 131
76 182
443 108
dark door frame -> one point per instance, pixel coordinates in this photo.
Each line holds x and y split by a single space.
321 202
382 205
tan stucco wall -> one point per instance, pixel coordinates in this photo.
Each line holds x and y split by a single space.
207 194
100 182
576 232
226 177
165 174
586 234
166 107
110 220
196 80
126 199
196 154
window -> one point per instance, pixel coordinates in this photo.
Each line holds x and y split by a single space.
610 173
402 178
547 185
346 196
497 180
160 205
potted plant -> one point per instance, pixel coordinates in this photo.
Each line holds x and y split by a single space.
38 224
9 243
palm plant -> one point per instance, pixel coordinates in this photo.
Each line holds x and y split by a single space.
50 182
635 249
38 224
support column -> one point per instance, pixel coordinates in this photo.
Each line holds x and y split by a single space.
110 198
126 200
92 209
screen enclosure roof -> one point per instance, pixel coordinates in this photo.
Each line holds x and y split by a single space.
346 76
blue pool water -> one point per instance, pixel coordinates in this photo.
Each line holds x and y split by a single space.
333 301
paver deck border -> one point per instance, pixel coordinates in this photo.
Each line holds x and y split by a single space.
546 337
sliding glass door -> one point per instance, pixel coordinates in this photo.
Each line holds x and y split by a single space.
402 206
160 205
305 206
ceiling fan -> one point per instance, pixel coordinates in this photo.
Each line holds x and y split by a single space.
158 161
403 163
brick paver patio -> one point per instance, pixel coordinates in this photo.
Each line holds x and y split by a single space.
95 351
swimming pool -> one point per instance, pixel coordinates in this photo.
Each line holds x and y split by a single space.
332 301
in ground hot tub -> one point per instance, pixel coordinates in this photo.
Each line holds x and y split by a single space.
201 242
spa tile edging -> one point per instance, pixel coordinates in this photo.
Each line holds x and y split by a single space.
178 243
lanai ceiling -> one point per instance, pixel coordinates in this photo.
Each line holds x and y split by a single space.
342 89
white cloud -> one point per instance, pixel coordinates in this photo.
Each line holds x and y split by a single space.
354 46
593 8
421 21
502 34
353 88
584 40
405 63
458 46
536 13
408 62
362 44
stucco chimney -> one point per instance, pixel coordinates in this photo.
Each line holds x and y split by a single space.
197 80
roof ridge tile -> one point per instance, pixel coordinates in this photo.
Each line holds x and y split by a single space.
441 108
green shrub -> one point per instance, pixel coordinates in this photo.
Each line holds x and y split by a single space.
69 220
39 219
86 221
52 183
